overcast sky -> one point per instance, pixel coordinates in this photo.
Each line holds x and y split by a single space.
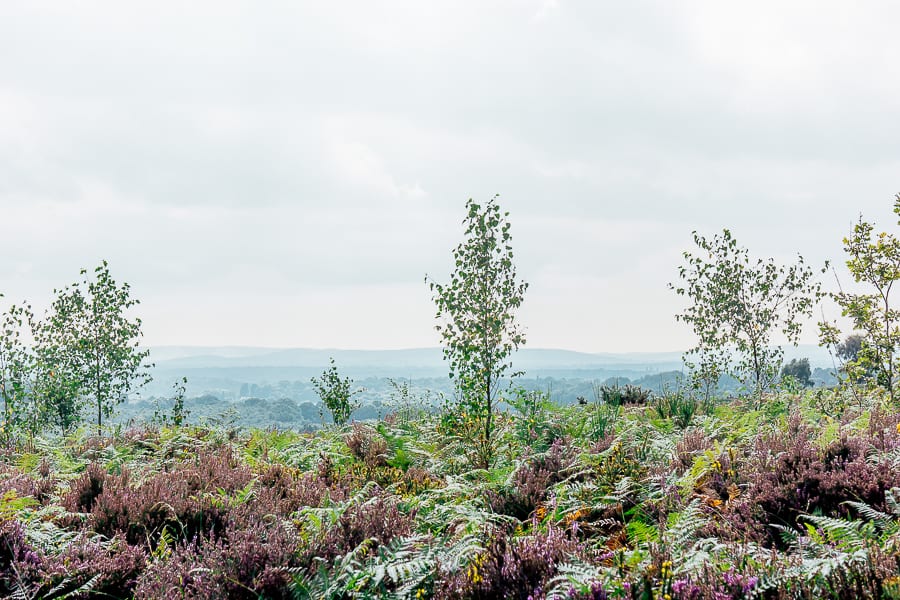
286 173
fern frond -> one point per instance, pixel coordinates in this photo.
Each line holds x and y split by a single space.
579 575
60 592
845 533
789 536
882 521
682 526
890 498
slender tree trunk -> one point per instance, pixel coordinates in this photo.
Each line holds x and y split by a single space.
487 423
99 392
99 411
757 374
889 349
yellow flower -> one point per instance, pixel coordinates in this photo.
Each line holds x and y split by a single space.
472 571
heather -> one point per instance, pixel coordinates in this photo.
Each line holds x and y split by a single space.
794 497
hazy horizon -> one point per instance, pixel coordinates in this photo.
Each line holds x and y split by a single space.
815 353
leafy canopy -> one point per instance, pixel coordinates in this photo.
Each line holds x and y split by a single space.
476 311
737 306
873 260
91 344
336 394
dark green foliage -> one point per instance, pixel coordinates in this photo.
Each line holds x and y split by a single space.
601 419
619 396
799 371
849 349
336 394
677 406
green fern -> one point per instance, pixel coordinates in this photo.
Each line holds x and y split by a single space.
682 527
844 534
882 521
578 575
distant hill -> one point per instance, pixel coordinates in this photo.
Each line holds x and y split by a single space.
529 359
224 370
230 374
172 357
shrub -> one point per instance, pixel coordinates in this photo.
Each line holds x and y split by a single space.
367 445
531 481
19 562
249 560
336 394
86 489
792 476
534 424
185 499
378 518
513 569
693 441
90 568
40 488
284 490
618 396
677 406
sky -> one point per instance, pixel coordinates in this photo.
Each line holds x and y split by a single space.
285 174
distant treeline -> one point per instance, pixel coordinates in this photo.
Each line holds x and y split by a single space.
294 405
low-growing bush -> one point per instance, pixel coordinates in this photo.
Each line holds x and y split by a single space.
19 562
531 481
677 406
186 499
516 569
791 476
92 568
367 445
378 518
626 395
250 560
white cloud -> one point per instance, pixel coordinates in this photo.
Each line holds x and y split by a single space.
545 9
269 161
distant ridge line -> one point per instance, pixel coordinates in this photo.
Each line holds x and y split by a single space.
428 357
